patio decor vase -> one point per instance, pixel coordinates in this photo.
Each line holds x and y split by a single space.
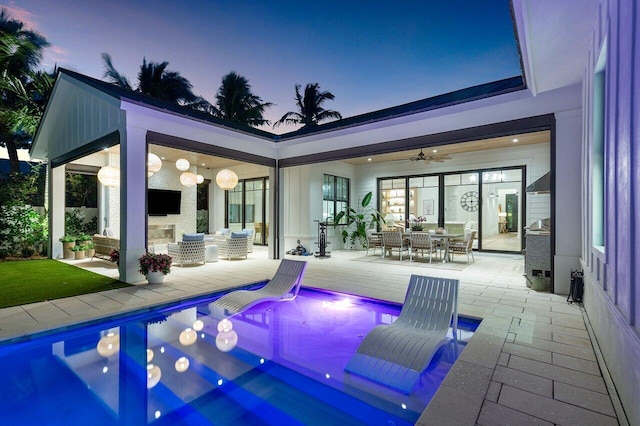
156 277
68 253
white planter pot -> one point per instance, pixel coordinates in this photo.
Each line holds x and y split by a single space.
155 277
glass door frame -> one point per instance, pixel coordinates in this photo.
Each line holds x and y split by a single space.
441 197
265 179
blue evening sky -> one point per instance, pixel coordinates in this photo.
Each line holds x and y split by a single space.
370 55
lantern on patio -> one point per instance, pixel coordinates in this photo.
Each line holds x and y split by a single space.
188 179
182 164
154 164
109 176
227 179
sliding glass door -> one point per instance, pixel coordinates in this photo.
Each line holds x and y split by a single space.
247 208
487 201
502 206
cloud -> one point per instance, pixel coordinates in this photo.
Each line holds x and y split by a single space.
23 15
55 55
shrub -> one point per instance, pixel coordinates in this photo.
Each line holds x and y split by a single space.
22 231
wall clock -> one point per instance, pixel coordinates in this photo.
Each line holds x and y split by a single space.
470 201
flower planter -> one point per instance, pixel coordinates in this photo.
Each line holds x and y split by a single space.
90 252
155 277
67 252
78 255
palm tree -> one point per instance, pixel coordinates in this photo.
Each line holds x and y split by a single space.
20 88
310 111
235 102
155 80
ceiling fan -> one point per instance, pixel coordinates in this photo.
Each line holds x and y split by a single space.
438 158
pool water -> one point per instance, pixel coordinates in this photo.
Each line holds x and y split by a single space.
277 363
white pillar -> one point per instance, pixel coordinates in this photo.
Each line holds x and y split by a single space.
56 203
568 207
133 187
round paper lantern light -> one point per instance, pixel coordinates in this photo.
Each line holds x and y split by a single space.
198 325
182 164
225 325
199 179
226 340
182 364
154 164
153 375
188 179
227 179
188 337
109 176
108 345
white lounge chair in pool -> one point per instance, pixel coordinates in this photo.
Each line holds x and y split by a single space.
395 355
284 285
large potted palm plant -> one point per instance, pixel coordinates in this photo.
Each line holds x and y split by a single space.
358 222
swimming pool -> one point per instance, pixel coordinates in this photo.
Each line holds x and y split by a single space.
277 363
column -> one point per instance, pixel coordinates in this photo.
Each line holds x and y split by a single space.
133 220
56 203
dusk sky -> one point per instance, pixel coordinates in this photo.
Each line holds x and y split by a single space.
370 55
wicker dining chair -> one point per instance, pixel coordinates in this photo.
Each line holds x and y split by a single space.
465 246
374 241
393 240
421 242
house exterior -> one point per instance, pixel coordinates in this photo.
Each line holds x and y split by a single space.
580 62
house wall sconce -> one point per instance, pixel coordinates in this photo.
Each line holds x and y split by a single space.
226 179
182 164
109 176
188 179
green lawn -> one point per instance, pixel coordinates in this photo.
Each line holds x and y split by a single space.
29 281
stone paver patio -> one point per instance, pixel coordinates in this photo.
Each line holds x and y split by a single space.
532 360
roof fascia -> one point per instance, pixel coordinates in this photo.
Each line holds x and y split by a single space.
521 17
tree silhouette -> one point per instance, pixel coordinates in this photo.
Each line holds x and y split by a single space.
23 90
155 80
310 111
235 102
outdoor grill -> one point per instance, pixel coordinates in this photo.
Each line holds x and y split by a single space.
537 253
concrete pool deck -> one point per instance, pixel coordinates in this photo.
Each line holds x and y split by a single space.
532 361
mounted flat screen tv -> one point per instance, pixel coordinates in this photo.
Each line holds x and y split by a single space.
161 202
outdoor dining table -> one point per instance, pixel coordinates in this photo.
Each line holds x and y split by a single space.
444 238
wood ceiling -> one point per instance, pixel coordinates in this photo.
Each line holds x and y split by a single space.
214 162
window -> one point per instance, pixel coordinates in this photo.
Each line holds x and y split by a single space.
598 163
335 197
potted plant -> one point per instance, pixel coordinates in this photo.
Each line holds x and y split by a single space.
155 266
358 221
82 239
78 252
90 250
68 242
416 224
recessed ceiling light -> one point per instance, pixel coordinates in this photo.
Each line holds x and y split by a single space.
162 158
369 159
203 164
106 149
514 140
434 151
